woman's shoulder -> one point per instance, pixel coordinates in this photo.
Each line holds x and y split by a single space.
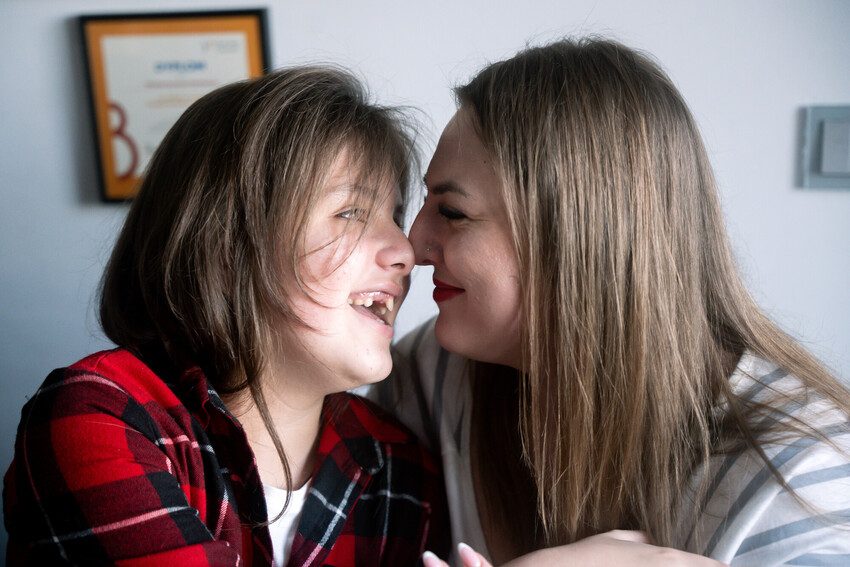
798 430
786 494
776 397
752 516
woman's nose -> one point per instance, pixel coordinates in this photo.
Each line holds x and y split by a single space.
422 238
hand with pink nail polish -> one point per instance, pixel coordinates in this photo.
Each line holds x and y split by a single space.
431 560
468 556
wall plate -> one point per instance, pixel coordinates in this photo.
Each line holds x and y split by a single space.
812 152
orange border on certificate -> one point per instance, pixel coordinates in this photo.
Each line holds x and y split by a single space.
118 188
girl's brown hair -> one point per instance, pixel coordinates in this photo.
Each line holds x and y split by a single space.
617 227
218 226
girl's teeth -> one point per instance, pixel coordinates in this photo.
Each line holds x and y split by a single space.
389 304
382 311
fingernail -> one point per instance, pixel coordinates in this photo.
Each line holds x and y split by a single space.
430 560
468 555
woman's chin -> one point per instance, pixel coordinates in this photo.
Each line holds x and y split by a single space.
456 338
471 342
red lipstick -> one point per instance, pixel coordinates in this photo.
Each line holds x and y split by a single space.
444 291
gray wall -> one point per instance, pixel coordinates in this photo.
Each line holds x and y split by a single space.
746 67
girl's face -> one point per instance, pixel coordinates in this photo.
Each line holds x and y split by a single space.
462 230
354 276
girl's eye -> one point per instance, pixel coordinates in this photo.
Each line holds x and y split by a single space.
354 214
449 213
398 217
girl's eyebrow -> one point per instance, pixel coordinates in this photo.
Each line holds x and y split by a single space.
345 188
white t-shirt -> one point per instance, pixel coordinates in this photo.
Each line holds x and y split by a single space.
283 530
748 520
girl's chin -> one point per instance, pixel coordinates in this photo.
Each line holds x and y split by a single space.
376 372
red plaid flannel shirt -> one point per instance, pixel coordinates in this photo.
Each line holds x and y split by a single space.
117 464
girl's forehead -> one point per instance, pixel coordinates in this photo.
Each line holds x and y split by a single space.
349 177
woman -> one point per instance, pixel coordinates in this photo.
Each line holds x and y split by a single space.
253 282
608 369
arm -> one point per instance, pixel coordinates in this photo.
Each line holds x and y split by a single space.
621 548
89 485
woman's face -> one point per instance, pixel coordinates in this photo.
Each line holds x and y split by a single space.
354 275
462 230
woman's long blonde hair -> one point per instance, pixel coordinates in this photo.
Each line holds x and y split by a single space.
634 311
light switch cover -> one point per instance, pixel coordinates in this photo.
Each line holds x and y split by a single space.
825 145
835 148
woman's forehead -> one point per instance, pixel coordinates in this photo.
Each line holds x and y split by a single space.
461 163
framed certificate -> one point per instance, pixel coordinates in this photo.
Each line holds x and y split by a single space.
144 70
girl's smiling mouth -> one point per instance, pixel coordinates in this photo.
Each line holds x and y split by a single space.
377 306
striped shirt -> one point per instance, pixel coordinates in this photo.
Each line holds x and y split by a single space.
116 463
747 518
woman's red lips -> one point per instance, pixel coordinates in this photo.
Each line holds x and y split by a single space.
444 291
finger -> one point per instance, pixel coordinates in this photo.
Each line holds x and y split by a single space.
470 557
431 560
628 535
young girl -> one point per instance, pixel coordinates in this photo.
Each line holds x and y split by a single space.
597 363
256 278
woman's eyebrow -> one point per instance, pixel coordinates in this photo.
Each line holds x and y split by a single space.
446 187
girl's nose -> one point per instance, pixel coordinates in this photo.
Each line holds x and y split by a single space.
397 252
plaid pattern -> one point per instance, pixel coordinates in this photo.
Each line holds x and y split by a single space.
116 463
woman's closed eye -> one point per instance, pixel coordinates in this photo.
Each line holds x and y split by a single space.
450 213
